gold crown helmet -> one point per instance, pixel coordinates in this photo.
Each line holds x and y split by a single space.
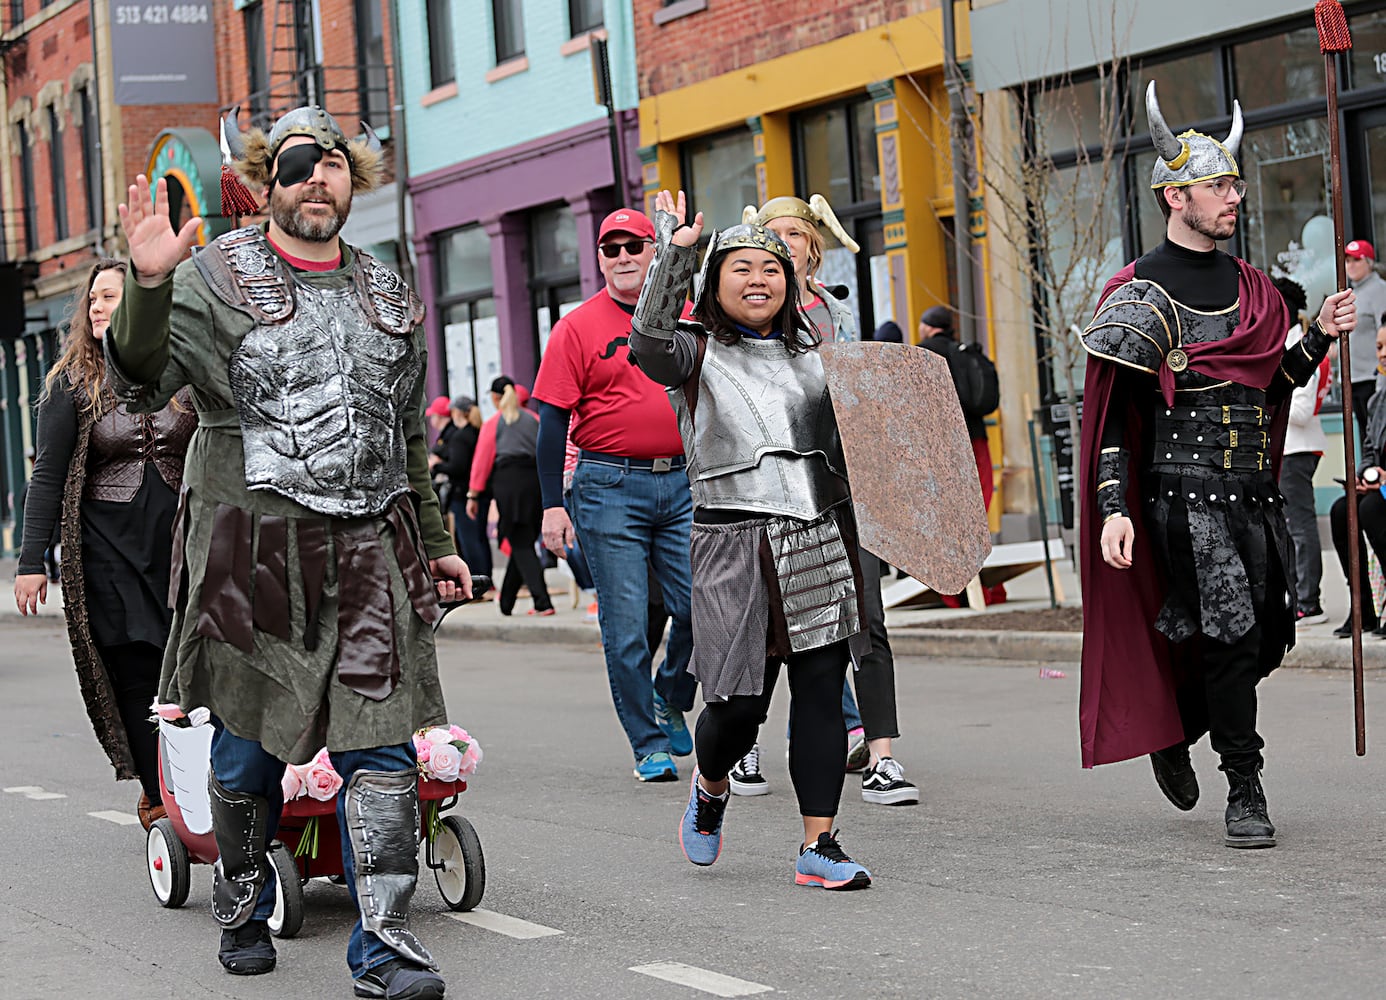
816 211
252 152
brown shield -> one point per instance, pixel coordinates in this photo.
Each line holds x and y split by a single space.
913 475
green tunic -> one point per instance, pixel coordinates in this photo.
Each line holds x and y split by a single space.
281 694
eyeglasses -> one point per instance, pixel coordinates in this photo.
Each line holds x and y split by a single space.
1222 185
613 250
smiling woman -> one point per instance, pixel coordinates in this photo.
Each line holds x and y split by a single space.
776 577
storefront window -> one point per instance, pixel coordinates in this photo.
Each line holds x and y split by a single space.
1284 67
554 283
464 257
836 154
719 173
1069 116
1187 88
1286 170
1367 58
471 335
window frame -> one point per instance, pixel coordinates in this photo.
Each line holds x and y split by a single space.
438 27
576 26
511 14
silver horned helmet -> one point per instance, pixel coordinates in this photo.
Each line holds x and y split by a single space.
747 235
253 152
1190 157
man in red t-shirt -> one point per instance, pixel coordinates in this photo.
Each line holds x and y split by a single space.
630 502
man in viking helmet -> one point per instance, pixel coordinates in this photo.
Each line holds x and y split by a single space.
309 552
871 729
1188 573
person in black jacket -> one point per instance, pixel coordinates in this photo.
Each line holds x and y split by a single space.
456 463
1371 503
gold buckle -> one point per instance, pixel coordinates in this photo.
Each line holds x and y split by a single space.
1260 460
1260 416
1227 414
1227 460
1232 438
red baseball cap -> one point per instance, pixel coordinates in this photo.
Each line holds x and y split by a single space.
627 220
440 407
1361 249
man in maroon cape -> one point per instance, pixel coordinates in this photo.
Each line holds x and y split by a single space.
1187 566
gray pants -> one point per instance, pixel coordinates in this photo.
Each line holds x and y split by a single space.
1297 484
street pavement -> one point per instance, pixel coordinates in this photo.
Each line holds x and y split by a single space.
1020 875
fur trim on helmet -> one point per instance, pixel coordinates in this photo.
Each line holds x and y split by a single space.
252 152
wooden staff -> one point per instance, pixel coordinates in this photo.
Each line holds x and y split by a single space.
1334 37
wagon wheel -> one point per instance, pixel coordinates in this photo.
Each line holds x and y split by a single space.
287 917
459 867
170 871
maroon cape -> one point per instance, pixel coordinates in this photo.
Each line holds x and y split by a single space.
1130 671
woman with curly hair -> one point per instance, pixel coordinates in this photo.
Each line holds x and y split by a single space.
112 479
776 578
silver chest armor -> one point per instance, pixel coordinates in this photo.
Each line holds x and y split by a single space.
321 392
763 436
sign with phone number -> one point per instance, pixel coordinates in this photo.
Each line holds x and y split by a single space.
163 53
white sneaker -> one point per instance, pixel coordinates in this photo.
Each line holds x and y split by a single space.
885 784
746 778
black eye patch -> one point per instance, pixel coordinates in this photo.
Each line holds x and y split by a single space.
296 164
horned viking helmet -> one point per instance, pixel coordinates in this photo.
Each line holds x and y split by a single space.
747 235
1190 157
816 212
252 152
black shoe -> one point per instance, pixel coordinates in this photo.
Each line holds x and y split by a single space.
1379 631
1248 824
247 950
1174 774
400 979
1372 624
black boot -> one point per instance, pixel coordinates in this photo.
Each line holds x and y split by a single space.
1248 824
247 950
1174 774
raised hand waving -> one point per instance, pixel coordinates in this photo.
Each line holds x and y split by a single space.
155 249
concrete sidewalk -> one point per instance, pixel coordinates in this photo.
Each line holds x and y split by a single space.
911 633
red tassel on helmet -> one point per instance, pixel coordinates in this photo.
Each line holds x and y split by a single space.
236 198
1333 27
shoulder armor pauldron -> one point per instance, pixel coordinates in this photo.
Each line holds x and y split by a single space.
1136 327
241 270
387 300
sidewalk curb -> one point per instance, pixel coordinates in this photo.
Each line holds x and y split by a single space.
949 644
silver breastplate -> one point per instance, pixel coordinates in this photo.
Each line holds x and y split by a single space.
321 398
763 436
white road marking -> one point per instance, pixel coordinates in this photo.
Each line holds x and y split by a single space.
489 920
35 792
119 818
701 979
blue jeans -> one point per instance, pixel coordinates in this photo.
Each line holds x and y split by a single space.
472 544
244 766
626 519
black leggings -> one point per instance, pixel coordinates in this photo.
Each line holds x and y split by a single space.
134 671
727 730
874 678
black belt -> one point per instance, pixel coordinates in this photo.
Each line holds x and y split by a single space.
1243 414
1229 459
675 463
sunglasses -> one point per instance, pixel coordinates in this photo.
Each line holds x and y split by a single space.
613 250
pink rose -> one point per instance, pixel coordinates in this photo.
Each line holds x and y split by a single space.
169 712
470 759
419 741
459 734
292 783
445 762
322 781
425 752
438 735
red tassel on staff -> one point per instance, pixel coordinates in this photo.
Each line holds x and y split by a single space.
236 198
1333 27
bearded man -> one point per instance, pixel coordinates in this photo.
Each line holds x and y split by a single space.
308 538
1188 572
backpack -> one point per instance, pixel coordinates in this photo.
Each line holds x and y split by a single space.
979 390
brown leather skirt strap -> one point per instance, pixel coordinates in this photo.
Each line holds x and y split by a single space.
224 614
413 565
271 612
175 567
312 562
367 660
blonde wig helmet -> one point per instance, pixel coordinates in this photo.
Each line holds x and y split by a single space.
252 152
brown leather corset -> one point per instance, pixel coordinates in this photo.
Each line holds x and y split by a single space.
122 443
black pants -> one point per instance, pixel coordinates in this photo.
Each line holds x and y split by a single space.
1297 485
1221 700
727 730
874 678
1361 392
1371 527
134 671
524 567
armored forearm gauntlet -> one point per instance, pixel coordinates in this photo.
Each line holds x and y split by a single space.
1303 356
1112 467
666 286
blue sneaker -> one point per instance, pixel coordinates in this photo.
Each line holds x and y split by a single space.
671 724
827 866
656 767
700 833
